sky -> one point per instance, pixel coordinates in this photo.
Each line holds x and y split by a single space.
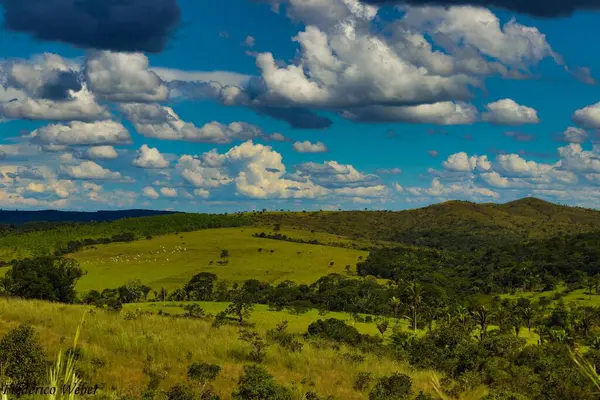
230 106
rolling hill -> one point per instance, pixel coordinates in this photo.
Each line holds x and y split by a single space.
450 225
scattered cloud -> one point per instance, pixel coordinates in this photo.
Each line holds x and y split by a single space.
308 147
508 112
148 157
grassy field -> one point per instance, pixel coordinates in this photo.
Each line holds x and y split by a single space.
171 260
115 351
579 297
267 319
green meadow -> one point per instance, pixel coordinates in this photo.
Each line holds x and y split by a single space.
169 261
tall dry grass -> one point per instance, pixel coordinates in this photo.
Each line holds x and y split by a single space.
118 353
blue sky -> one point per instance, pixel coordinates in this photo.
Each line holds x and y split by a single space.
319 104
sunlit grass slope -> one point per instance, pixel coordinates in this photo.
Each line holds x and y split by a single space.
171 260
115 350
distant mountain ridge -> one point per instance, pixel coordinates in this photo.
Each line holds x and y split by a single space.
16 217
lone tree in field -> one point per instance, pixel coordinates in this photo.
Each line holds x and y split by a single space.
241 307
224 253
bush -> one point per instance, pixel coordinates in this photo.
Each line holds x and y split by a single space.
334 329
180 392
22 357
203 372
194 311
288 341
257 384
259 347
362 381
395 387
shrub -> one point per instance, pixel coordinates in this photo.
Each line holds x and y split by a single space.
395 387
203 372
194 311
259 347
288 341
334 329
362 381
22 357
257 384
180 392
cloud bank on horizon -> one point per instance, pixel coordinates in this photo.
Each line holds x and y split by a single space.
362 104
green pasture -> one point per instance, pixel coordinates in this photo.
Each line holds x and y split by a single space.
169 261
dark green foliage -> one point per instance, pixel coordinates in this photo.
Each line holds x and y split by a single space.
257 384
44 278
22 358
395 387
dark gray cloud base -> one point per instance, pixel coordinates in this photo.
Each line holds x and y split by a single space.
118 25
538 8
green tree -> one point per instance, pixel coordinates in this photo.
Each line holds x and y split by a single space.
44 278
201 286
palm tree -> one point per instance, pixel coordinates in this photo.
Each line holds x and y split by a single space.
461 315
481 315
544 333
396 308
415 297
528 315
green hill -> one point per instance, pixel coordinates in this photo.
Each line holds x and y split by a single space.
450 225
